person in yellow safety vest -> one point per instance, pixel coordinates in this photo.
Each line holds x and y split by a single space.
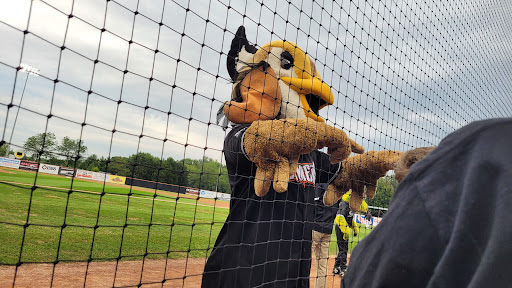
345 224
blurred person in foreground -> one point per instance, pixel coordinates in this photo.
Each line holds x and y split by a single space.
448 223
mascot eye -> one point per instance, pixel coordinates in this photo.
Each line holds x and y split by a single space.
286 60
286 64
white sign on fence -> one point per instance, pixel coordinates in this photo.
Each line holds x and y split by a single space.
207 194
98 176
224 196
50 169
213 195
374 221
11 163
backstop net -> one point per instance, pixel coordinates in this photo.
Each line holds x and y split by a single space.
114 169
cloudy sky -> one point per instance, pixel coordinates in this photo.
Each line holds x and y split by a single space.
404 74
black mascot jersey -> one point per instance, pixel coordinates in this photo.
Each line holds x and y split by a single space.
266 241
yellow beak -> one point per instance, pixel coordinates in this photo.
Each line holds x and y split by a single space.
317 88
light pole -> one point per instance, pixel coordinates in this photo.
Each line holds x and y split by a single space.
29 70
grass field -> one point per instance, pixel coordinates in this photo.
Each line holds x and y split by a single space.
82 226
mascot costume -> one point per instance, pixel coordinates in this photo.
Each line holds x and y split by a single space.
273 165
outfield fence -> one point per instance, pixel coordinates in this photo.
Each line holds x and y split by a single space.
108 178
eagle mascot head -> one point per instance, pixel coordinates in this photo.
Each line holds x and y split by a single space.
276 81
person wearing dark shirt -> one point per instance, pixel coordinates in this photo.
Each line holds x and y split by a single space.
448 222
322 230
266 241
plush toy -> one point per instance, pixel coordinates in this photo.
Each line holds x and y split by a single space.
276 98
358 172
278 90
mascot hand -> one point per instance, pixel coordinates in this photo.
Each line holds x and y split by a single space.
275 146
364 206
343 225
360 171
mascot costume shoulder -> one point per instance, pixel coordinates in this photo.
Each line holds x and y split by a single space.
273 166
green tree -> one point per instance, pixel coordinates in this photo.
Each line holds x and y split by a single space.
207 174
3 150
385 189
91 160
71 149
55 161
93 163
143 166
42 145
119 166
173 172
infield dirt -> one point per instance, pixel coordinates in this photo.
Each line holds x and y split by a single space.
177 273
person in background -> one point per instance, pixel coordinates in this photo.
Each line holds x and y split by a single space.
448 224
345 222
322 230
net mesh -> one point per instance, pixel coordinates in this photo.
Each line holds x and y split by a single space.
119 100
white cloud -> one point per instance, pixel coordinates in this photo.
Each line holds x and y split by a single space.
15 13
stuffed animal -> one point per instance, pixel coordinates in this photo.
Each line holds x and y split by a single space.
358 172
275 103
279 91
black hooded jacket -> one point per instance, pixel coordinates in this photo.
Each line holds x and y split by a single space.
449 222
324 215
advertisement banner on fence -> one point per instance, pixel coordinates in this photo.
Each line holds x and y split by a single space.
66 171
117 179
98 176
207 194
50 169
192 191
27 165
374 221
213 195
11 163
224 196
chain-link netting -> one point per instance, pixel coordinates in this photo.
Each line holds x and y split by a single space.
120 168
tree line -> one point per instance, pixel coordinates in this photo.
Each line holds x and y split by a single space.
385 189
203 173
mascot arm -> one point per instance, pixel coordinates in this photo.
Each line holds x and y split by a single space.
343 225
360 171
355 227
275 146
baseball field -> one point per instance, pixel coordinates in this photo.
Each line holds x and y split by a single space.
56 219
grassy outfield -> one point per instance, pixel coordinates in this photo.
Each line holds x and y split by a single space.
62 226
123 222
352 241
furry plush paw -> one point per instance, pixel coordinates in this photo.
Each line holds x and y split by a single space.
362 171
276 145
332 195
